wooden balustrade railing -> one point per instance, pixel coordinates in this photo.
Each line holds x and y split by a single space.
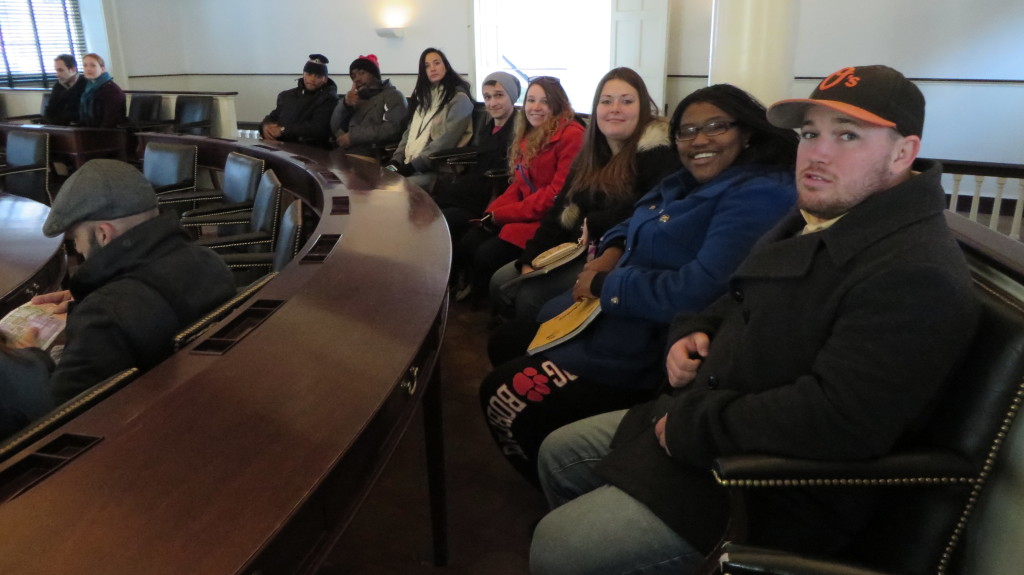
991 186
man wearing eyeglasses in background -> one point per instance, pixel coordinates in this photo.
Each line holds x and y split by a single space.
835 338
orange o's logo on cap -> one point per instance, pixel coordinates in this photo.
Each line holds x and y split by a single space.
835 78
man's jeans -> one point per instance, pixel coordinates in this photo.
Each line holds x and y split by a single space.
595 528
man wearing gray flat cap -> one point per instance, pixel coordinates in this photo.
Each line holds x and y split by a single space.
141 282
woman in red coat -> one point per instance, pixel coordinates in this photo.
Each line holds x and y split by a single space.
546 144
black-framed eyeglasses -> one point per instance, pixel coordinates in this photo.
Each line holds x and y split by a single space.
716 128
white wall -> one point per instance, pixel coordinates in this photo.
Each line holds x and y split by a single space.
933 39
257 48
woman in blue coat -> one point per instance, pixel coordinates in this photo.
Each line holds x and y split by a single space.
675 254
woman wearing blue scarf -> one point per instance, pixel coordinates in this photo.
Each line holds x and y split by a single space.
102 104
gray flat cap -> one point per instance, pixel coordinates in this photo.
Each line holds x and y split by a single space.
99 190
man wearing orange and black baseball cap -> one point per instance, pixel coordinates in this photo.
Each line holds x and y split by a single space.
826 346
848 107
877 95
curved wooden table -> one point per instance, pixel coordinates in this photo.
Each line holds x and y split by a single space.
30 263
254 460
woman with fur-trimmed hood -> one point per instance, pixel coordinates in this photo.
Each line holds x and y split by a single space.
626 151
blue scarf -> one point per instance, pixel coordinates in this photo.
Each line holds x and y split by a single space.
85 112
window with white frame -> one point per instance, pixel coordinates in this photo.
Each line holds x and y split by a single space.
32 34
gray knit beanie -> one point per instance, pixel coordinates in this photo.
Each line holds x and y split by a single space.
509 82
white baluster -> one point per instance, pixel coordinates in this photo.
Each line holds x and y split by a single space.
976 201
993 224
1018 211
956 192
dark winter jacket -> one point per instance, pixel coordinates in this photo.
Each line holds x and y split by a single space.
305 115
378 118
62 108
830 345
682 243
131 297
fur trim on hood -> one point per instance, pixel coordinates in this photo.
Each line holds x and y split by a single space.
655 135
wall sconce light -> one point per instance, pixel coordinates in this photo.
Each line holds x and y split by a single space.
391 32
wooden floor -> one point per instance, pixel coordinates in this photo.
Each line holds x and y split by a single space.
491 508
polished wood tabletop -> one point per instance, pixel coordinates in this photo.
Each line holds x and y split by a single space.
253 460
26 252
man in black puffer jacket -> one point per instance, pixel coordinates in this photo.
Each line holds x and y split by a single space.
303 114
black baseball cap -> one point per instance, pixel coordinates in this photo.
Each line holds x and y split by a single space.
878 95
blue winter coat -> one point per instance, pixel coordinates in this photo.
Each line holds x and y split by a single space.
683 241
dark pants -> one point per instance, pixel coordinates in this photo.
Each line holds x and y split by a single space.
527 398
511 339
458 222
480 253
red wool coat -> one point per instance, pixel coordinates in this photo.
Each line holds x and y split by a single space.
519 209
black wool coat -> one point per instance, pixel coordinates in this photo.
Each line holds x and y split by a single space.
831 345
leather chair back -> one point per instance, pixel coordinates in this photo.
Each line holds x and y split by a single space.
241 178
170 166
920 526
288 236
28 165
193 115
479 119
144 109
266 209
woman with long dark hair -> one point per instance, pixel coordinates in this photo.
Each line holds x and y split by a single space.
442 111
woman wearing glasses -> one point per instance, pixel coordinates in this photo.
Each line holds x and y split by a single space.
674 254
544 147
626 151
